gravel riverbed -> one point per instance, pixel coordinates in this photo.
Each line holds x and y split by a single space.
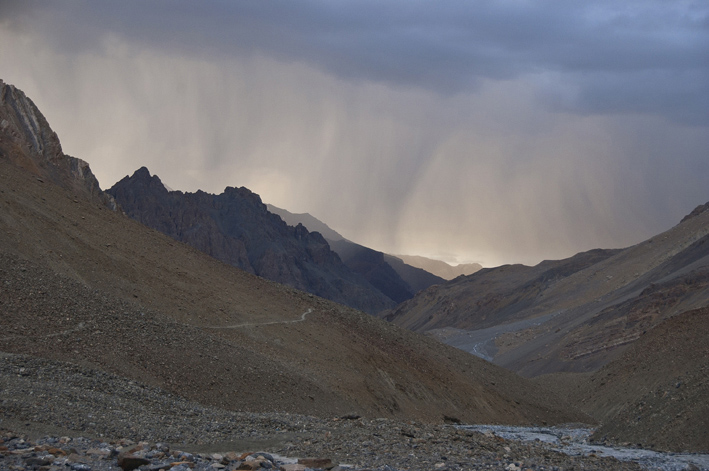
42 401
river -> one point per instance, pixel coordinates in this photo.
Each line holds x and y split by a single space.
575 442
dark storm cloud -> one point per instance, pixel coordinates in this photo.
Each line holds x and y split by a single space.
682 96
497 132
640 56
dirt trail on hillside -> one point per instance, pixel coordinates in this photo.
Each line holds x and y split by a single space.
257 324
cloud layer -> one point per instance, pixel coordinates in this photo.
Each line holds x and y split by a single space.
489 131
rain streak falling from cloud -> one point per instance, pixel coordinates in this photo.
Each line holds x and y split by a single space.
496 132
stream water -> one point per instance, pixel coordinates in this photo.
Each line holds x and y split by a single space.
575 442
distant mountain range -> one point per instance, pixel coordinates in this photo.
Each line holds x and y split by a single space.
311 222
439 267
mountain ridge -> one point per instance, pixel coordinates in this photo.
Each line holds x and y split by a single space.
390 275
236 227
439 267
308 220
88 285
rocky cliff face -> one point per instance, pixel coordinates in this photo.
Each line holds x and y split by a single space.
235 227
27 141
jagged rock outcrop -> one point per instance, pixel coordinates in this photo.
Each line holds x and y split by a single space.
27 141
695 212
235 227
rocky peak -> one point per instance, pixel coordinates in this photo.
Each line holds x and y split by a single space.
142 177
27 140
247 195
22 120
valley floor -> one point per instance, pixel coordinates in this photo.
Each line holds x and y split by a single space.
40 397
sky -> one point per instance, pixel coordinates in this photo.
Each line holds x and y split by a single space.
505 131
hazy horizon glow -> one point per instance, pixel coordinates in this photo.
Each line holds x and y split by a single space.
494 132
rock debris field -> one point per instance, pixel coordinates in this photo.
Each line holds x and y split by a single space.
127 425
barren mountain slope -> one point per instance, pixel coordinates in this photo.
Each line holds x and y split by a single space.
656 393
590 306
488 297
390 275
82 283
608 306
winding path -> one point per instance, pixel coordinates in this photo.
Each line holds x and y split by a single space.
83 326
253 324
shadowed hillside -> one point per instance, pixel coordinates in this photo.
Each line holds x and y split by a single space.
390 275
85 284
656 393
235 227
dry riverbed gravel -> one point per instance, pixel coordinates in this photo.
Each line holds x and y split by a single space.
61 416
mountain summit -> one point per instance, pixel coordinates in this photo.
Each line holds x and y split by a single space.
27 141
